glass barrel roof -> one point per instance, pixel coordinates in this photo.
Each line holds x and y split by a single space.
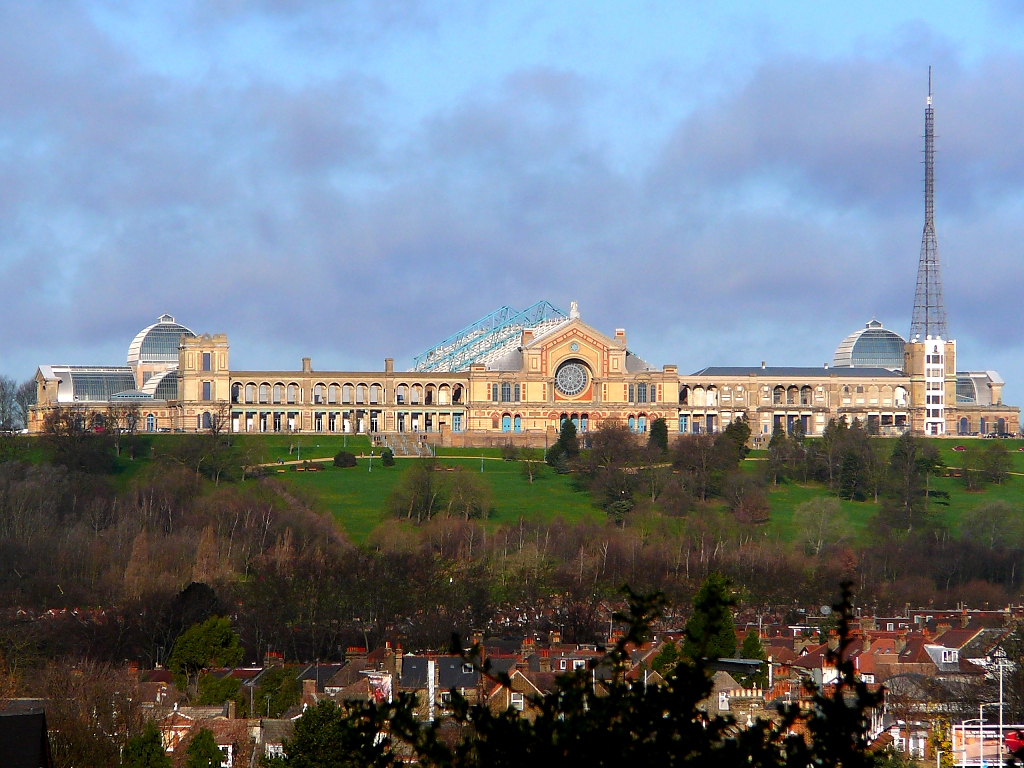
158 343
871 347
97 385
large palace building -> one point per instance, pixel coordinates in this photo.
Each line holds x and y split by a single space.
514 376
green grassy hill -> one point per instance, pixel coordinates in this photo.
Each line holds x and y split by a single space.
357 497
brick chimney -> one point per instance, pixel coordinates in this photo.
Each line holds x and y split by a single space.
308 690
232 709
307 365
545 661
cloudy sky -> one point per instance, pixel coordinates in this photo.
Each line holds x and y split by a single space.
353 180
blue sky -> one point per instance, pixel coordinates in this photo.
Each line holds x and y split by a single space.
730 182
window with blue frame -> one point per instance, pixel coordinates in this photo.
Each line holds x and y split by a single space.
684 423
641 424
457 422
583 422
518 423
632 424
150 423
506 423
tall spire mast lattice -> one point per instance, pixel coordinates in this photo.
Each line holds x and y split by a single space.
929 309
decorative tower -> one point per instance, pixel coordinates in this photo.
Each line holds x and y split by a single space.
929 309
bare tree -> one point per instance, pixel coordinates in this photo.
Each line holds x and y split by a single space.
121 419
25 398
8 404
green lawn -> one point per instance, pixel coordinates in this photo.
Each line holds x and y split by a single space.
357 496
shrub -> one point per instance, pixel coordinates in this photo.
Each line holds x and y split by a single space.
345 459
387 457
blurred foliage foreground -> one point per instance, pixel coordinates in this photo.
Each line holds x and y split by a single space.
626 724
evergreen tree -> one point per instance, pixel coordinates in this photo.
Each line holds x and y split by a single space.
710 631
203 752
212 643
146 750
752 649
659 435
568 440
666 659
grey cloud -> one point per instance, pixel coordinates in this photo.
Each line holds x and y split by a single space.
776 218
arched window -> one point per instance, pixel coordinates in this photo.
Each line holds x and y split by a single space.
965 426
360 394
777 395
236 393
711 399
791 396
515 393
264 393
207 420
417 394
517 423
346 394
428 398
506 422
250 393
899 397
697 397
374 394
293 394
151 421
319 394
279 393
444 395
1001 426
584 422
401 394
631 421
982 425
575 419
457 394
333 392
641 392
641 423
506 392
805 395
684 396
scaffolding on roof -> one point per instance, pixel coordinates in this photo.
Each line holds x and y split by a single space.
489 338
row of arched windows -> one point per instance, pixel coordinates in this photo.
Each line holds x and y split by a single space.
701 397
321 394
430 394
345 394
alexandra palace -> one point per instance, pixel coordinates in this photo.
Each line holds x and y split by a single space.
514 376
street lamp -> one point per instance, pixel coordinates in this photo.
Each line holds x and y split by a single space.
981 731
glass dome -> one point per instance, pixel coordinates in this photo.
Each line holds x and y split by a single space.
871 347
158 343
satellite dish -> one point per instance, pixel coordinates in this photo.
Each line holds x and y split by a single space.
826 610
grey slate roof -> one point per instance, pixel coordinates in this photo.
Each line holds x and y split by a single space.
798 372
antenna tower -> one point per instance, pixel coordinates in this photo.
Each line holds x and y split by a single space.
929 309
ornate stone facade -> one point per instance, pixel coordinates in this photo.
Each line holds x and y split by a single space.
569 370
